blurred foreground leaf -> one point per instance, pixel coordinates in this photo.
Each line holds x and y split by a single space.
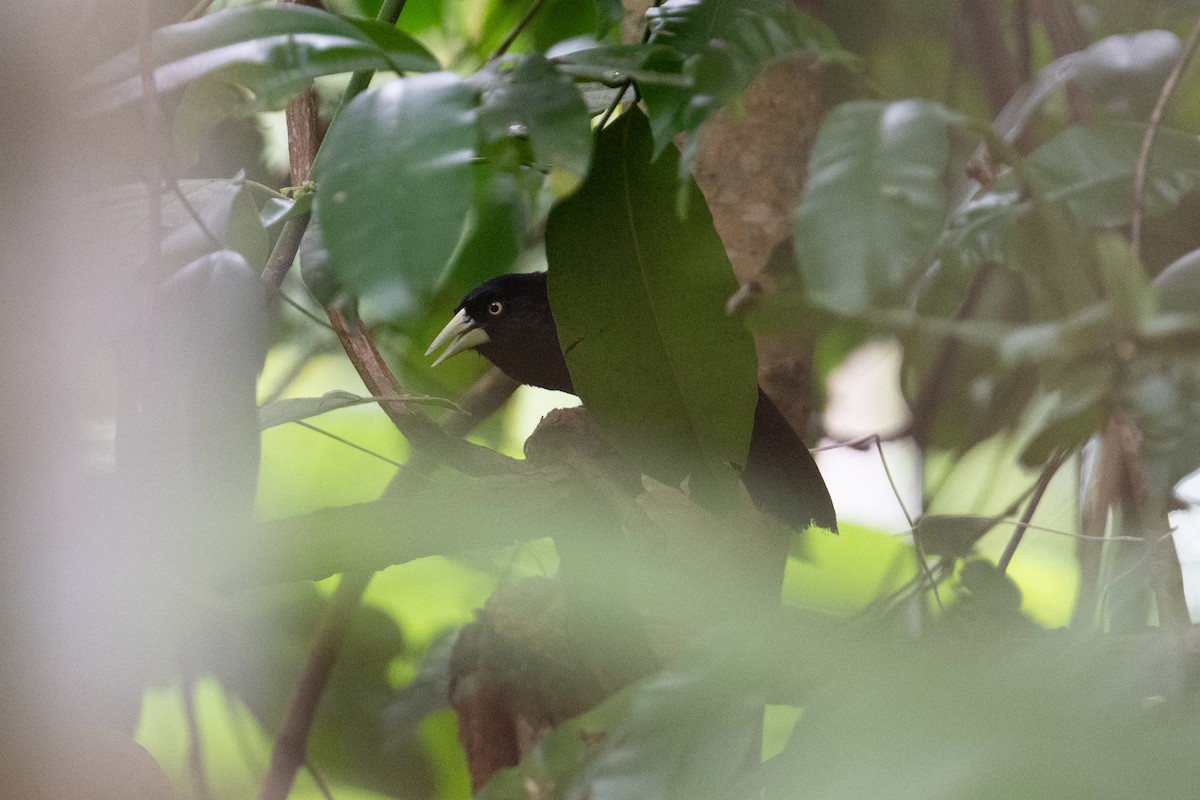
272 52
874 204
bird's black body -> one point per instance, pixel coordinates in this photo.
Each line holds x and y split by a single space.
522 340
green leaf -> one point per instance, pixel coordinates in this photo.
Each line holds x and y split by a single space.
294 409
611 64
692 731
256 642
1080 181
315 268
526 97
1078 411
493 237
609 14
558 20
638 295
1126 286
1124 71
1163 395
197 411
272 51
722 46
203 217
278 210
1090 170
1178 286
874 204
949 535
394 187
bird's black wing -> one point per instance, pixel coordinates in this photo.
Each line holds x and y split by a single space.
781 475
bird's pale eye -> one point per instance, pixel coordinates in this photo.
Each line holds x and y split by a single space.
496 308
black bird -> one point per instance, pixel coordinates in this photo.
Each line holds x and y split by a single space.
508 320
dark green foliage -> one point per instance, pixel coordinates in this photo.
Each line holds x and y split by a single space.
274 52
993 253
638 295
407 147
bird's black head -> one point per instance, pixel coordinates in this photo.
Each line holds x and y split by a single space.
508 320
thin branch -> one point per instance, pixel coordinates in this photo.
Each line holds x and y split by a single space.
194 214
1040 528
303 136
929 398
892 481
1156 117
1061 23
318 779
997 68
411 422
614 104
389 14
1023 23
284 252
313 317
347 442
628 82
1048 473
517 30
291 744
484 397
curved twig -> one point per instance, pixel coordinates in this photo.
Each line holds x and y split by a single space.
1048 473
517 30
1156 116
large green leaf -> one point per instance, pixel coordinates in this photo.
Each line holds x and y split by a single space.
526 97
1080 181
272 51
493 237
875 202
1126 72
1123 71
1090 170
394 187
639 298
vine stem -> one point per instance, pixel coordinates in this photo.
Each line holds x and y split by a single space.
1156 117
289 752
517 30
1048 473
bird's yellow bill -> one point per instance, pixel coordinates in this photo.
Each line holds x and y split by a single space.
462 333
